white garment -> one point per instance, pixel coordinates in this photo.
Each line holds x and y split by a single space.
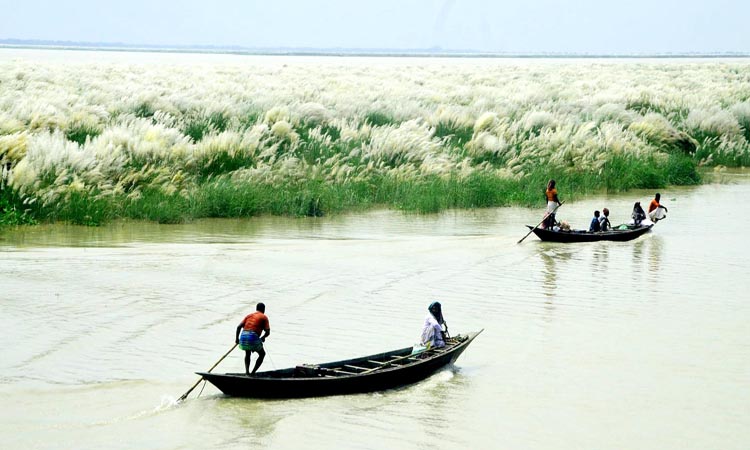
644 223
657 214
432 333
550 208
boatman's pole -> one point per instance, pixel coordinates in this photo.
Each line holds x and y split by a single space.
545 218
184 396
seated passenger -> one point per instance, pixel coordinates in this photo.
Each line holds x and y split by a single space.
433 335
595 226
604 224
638 215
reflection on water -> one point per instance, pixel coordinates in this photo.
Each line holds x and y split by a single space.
646 259
553 255
600 261
656 246
636 266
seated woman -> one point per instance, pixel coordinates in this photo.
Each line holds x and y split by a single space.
433 335
639 215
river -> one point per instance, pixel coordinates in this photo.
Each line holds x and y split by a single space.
637 345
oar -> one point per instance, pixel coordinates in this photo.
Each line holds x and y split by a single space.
545 218
184 396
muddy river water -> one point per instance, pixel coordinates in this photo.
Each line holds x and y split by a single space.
637 345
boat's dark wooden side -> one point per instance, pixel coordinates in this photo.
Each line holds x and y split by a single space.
366 374
585 236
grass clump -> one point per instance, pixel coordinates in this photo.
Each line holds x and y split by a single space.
220 163
158 206
80 132
379 119
12 210
144 110
199 125
455 134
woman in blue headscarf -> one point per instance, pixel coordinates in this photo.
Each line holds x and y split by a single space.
433 335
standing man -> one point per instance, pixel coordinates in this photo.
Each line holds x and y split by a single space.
655 212
251 340
552 204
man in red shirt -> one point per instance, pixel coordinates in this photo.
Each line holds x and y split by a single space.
251 340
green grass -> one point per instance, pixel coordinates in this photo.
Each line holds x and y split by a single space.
80 132
456 135
249 118
222 162
77 208
379 119
144 110
158 207
198 125
12 210
221 197
211 192
721 158
313 151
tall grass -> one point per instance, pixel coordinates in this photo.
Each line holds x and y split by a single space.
90 143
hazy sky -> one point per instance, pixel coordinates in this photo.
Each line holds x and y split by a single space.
580 26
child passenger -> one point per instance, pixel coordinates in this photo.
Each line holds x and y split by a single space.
604 224
595 226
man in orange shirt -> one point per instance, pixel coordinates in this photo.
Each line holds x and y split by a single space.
655 212
552 204
250 340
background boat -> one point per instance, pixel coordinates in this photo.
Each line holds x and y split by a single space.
621 235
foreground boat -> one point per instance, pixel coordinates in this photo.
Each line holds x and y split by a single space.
365 374
621 235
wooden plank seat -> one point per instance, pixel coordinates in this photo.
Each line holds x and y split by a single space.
342 372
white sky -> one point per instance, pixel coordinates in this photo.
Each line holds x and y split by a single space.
573 26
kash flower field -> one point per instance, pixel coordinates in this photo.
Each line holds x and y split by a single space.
87 141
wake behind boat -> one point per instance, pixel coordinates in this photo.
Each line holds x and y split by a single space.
365 374
626 233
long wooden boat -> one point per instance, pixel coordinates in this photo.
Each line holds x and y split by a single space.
615 234
365 374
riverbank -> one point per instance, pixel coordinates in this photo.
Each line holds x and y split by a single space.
224 199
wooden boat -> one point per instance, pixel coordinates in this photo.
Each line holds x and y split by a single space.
365 374
615 234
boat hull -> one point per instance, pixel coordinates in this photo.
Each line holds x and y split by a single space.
283 383
585 236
